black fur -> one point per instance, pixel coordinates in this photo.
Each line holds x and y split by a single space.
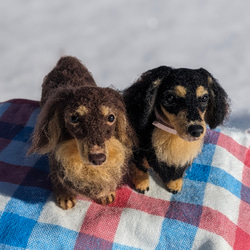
153 90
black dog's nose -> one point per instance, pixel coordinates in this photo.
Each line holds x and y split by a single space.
195 130
97 159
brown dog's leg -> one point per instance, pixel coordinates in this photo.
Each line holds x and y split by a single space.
140 178
175 186
66 201
106 199
65 198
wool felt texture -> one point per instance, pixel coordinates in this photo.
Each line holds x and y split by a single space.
81 125
187 101
211 212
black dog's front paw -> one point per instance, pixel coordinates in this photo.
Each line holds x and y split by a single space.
172 191
174 186
140 180
141 191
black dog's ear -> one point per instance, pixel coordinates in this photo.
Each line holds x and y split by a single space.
218 106
48 126
140 97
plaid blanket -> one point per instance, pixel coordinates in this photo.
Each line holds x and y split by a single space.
211 212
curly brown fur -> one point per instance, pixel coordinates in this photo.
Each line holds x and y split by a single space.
180 102
85 131
69 72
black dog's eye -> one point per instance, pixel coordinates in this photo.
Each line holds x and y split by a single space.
74 119
111 118
170 98
204 99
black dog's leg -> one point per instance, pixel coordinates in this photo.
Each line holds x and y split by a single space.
139 173
172 176
174 181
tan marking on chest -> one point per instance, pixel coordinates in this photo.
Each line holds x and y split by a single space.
105 177
173 150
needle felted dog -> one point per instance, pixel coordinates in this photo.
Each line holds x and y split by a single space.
169 109
85 131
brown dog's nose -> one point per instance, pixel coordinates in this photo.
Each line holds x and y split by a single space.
97 159
195 130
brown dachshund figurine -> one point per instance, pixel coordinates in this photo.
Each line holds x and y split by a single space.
86 133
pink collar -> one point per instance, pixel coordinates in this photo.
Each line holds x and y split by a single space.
161 123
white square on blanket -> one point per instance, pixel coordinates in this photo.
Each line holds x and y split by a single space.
138 229
228 162
222 200
208 240
156 187
240 137
71 219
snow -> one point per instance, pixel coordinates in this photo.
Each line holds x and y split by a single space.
118 40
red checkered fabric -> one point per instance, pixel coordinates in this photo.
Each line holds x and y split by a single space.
211 212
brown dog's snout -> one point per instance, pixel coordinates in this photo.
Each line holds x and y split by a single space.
97 155
195 130
97 159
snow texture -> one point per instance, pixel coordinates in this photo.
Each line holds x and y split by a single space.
118 40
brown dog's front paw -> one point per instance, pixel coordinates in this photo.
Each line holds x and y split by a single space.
107 199
175 186
66 202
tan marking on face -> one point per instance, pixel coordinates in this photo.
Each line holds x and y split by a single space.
209 80
82 110
200 91
180 124
180 91
105 110
96 150
157 82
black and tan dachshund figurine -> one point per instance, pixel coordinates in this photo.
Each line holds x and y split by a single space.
169 109
86 133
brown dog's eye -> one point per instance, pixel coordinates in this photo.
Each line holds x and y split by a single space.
74 119
111 118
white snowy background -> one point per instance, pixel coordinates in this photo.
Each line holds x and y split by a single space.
118 40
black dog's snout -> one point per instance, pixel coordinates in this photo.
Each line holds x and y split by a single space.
195 130
97 159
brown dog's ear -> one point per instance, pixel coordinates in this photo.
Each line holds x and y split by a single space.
218 106
124 130
140 97
48 127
